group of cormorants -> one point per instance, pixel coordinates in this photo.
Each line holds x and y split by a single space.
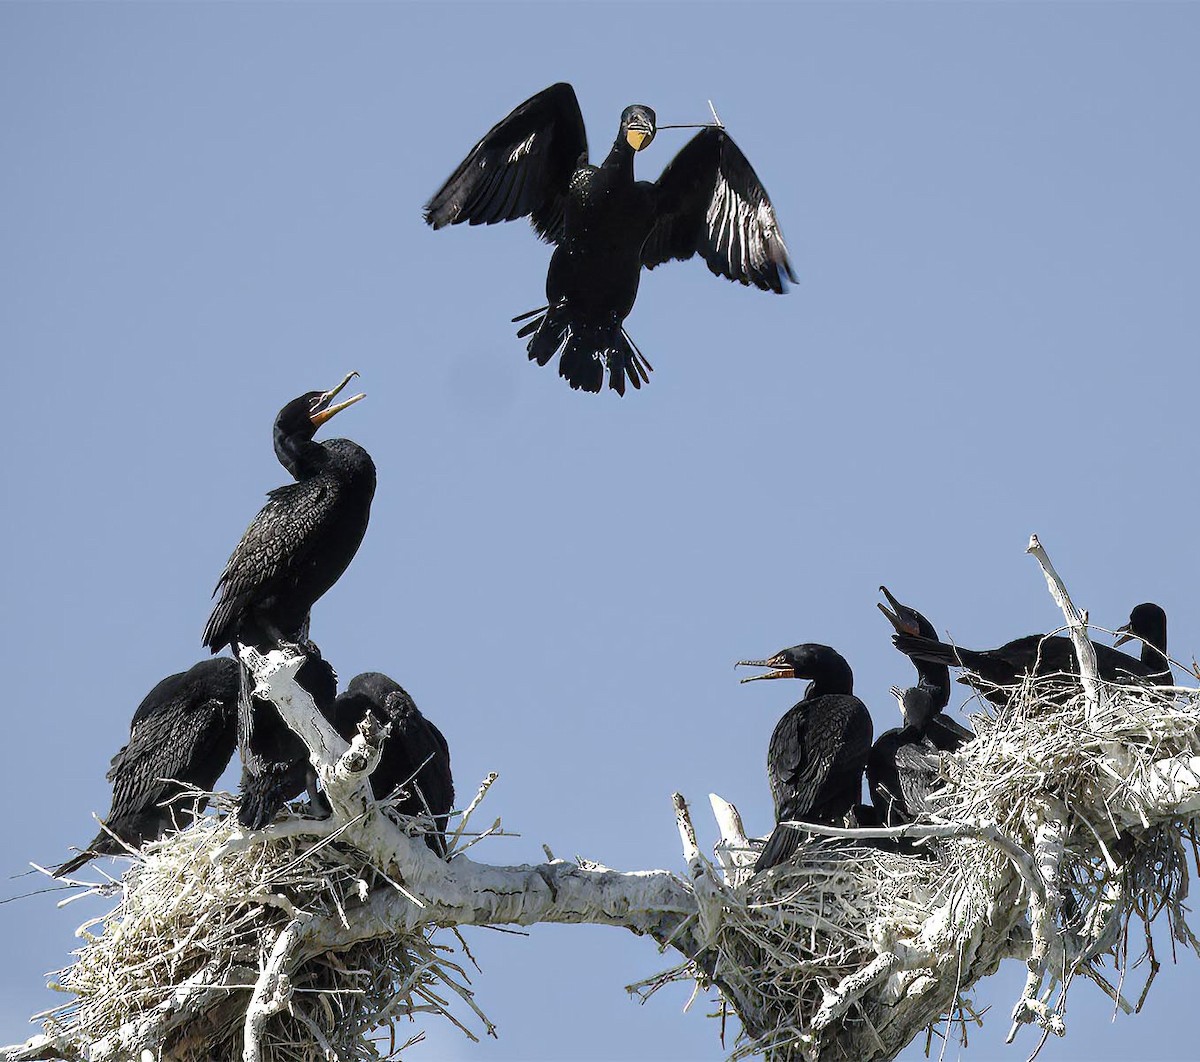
822 746
606 227
184 732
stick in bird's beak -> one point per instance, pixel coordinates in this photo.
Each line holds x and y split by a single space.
716 123
322 410
781 670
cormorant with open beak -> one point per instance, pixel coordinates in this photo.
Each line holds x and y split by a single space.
934 679
606 226
294 550
818 751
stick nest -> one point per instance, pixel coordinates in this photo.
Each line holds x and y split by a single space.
850 951
191 925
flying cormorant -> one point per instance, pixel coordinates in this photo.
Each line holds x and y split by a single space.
414 755
606 226
302 540
903 764
184 729
1050 655
819 749
946 733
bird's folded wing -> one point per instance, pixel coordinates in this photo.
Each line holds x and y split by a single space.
522 167
711 203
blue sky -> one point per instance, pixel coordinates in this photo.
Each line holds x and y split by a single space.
206 210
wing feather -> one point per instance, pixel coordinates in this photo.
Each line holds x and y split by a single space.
711 203
522 167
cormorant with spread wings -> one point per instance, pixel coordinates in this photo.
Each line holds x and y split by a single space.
606 226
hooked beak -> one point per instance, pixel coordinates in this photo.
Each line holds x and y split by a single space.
781 669
1124 634
895 617
322 410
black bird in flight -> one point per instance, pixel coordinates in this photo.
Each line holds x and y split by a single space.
819 749
415 755
994 669
606 226
934 679
902 767
302 540
181 736
275 762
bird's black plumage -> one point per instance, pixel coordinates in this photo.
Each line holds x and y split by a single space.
275 761
1049 655
607 226
819 748
303 539
183 732
414 755
902 767
934 678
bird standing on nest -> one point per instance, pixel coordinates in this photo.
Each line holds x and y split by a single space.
182 735
294 550
818 750
606 226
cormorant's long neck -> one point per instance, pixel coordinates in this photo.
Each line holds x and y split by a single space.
1154 654
300 456
620 158
936 679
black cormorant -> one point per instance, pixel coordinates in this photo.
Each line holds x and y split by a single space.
934 679
606 226
414 755
1050 655
302 540
275 761
819 749
903 764
183 731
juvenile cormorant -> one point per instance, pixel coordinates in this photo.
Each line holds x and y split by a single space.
302 540
1051 655
946 733
275 761
819 749
183 732
415 755
606 226
903 766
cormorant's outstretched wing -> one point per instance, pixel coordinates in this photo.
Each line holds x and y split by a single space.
711 202
522 167
284 536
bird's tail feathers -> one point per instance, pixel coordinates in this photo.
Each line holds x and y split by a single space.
587 352
780 847
934 652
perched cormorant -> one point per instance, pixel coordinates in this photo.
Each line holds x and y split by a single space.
183 731
414 755
302 540
819 749
275 761
903 765
606 226
1052 654
946 733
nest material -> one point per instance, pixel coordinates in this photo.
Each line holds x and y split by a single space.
850 951
185 919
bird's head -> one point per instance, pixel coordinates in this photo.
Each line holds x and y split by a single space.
1147 621
638 126
809 660
374 685
916 705
906 620
302 416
